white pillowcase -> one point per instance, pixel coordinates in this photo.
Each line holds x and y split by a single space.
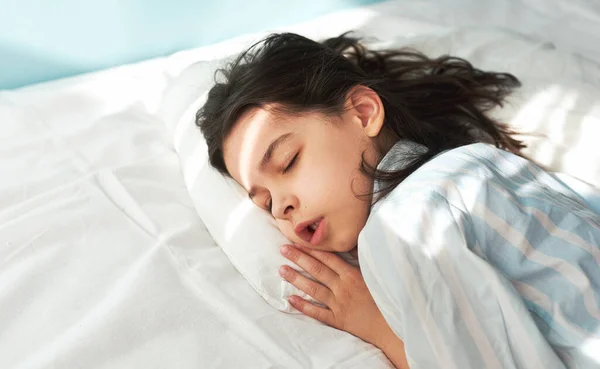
557 100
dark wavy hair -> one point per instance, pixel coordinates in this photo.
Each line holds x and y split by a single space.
440 103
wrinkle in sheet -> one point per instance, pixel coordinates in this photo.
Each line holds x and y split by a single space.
31 203
114 191
18 249
38 204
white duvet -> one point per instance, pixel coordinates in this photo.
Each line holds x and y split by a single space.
104 262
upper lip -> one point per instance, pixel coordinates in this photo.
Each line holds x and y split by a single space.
301 227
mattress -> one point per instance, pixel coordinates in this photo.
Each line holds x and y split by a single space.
104 262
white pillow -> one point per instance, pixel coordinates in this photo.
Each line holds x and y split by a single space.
558 100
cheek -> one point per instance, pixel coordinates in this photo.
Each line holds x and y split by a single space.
330 182
321 186
343 179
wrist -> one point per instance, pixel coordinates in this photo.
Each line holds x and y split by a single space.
392 346
387 339
382 334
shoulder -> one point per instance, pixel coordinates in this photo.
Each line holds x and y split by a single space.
476 160
444 190
451 172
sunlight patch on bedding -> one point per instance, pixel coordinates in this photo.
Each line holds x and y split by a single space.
195 165
591 348
530 117
429 247
236 217
546 111
559 114
590 124
543 152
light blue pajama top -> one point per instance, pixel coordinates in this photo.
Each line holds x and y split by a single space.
481 259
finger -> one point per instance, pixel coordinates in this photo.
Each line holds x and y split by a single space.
316 290
329 259
317 269
316 312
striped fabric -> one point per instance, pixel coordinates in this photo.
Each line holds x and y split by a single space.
480 259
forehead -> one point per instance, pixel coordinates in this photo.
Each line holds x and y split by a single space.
250 138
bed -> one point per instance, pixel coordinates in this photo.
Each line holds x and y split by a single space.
104 262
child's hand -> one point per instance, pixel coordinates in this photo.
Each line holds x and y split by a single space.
350 306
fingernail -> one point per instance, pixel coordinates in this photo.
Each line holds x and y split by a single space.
285 250
283 270
293 299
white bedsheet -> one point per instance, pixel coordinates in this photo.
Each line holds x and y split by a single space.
103 260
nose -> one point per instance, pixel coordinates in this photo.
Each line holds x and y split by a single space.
283 206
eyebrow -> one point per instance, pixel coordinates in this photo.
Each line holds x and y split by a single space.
269 154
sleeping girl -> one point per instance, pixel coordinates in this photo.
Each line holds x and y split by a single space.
471 256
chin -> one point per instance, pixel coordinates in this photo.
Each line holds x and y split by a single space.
342 247
346 249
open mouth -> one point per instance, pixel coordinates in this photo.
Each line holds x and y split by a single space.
313 226
312 232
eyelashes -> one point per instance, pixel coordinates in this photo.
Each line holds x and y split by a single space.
291 164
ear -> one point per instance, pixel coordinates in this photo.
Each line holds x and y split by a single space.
366 108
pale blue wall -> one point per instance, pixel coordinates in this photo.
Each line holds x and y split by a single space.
42 40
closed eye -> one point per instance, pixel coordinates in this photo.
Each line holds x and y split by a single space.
269 204
291 164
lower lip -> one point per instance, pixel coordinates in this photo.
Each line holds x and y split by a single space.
317 237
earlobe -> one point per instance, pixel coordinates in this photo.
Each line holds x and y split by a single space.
368 108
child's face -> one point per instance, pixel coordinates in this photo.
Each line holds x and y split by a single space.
323 157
